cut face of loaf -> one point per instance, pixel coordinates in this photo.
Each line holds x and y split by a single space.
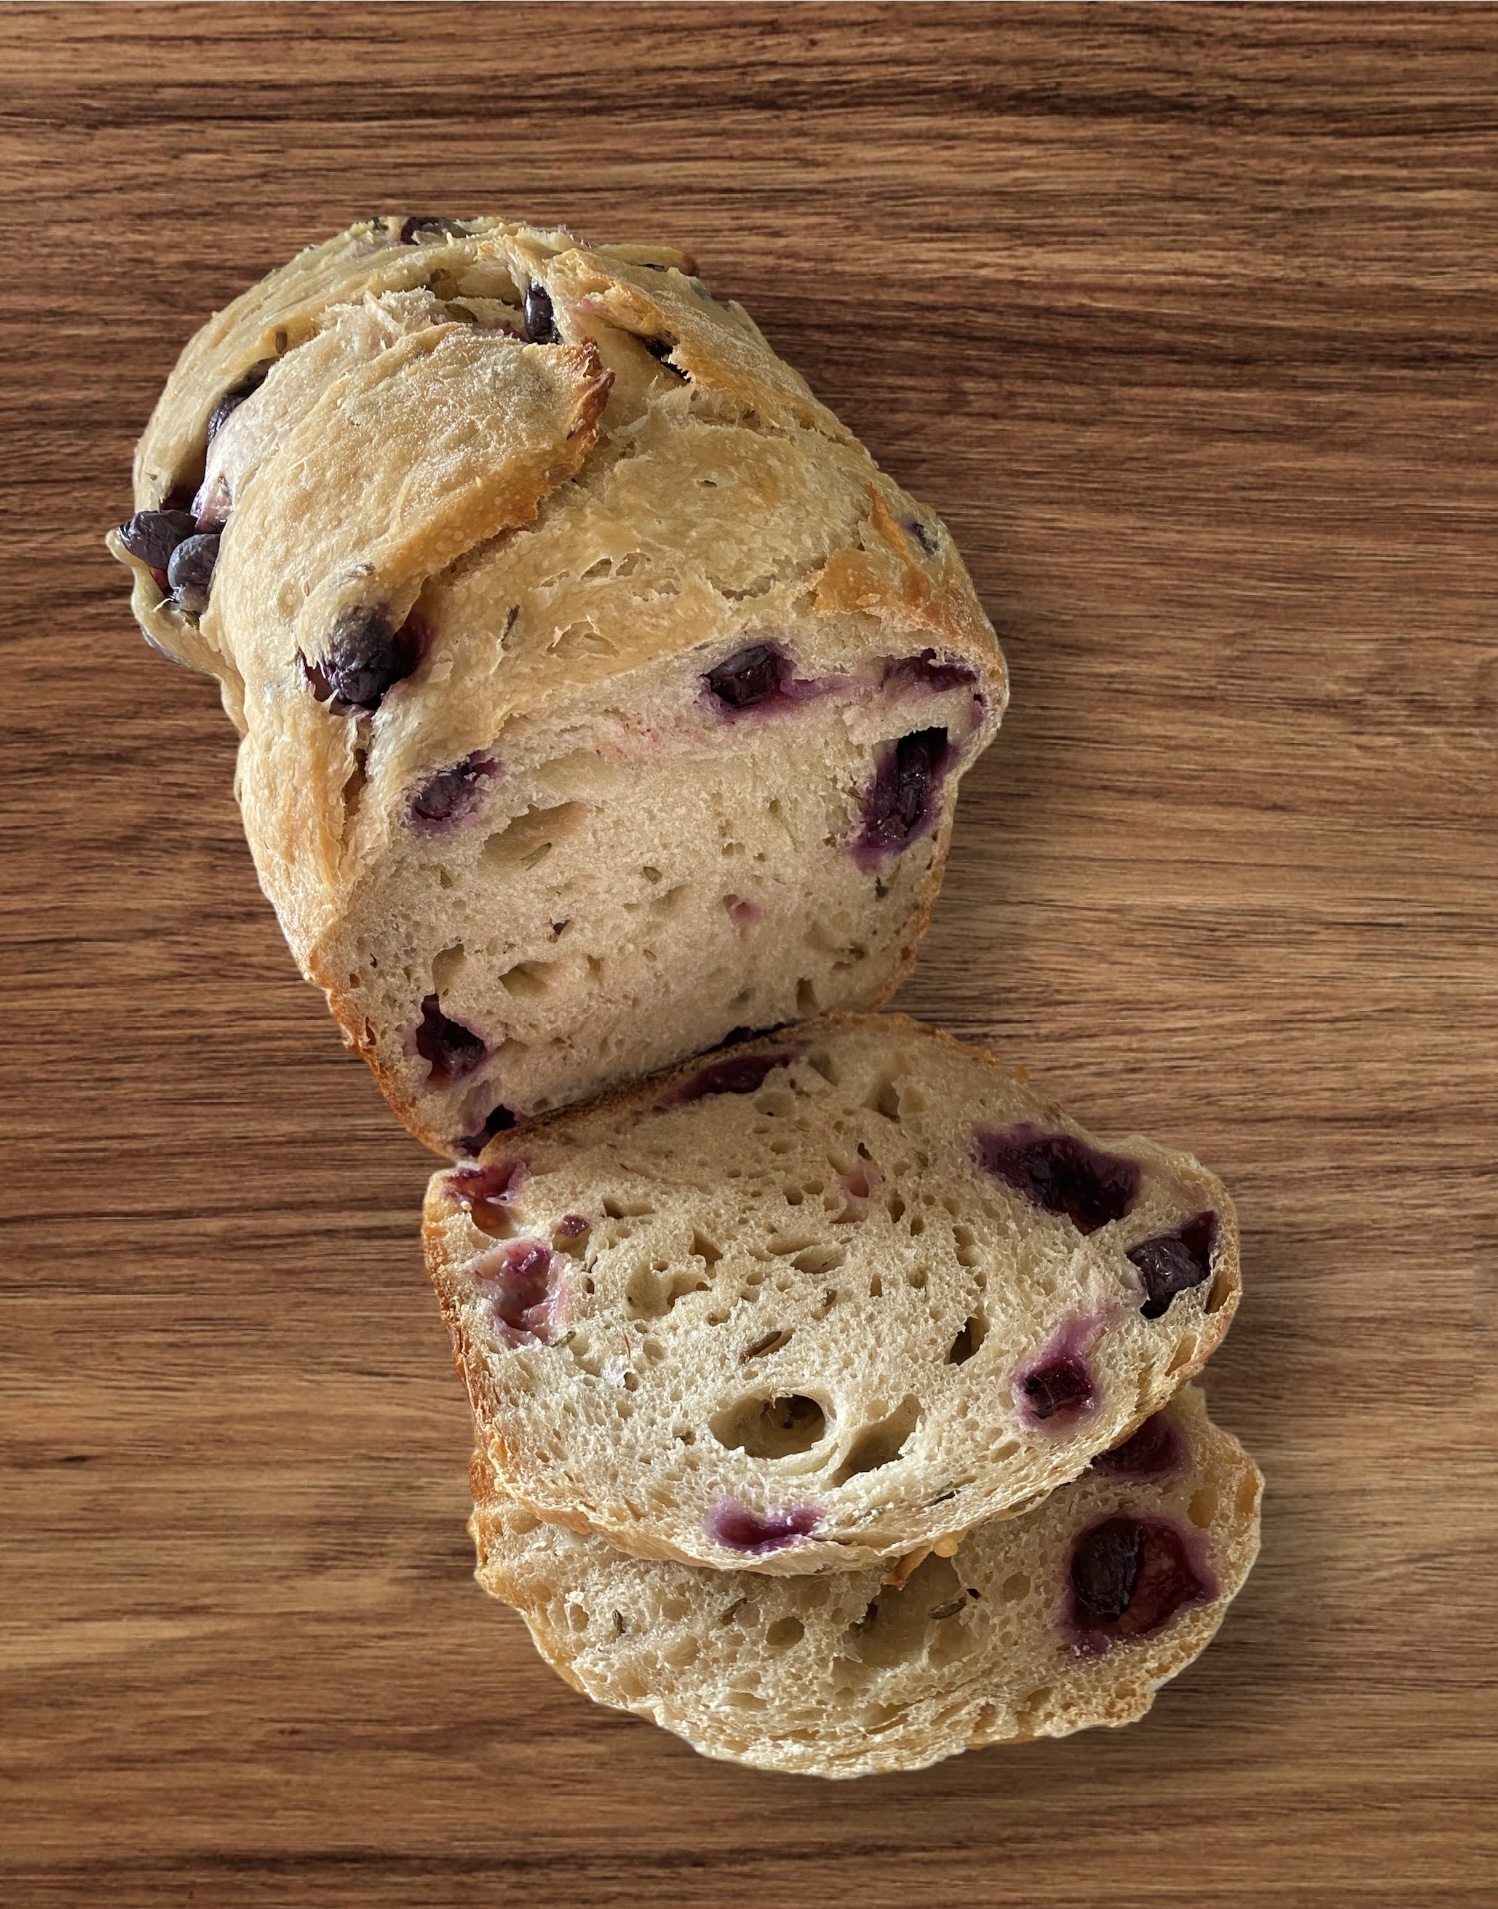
1071 1615
600 698
820 1300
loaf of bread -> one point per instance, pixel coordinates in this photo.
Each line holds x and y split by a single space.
599 697
1071 1615
824 1299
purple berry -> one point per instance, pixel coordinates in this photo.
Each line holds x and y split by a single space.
453 796
740 1529
540 318
1154 1451
924 672
1173 1263
487 1192
452 1049
1060 1173
748 677
499 1120
525 1276
738 1074
427 231
900 805
365 658
1129 1577
923 534
1061 1389
235 396
190 570
152 535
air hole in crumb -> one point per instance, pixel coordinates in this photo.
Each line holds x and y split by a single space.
682 1654
965 1246
876 1286
784 1632
704 1249
895 1207
821 1062
1014 1587
896 1626
806 998
819 1259
885 1099
1203 1507
528 978
771 1341
1184 1353
595 968
526 841
446 965
879 1445
770 1428
967 1342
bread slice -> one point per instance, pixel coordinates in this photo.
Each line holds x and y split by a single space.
600 698
1069 1616
820 1300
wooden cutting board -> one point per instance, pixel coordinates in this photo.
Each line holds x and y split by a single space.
1185 320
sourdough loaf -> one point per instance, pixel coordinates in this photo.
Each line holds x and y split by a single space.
821 1300
1071 1615
599 697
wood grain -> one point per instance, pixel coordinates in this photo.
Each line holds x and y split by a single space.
1185 320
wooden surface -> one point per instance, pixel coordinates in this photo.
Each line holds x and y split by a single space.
1188 323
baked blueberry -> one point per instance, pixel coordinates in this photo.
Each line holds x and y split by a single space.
152 535
1060 1389
1154 1451
758 1531
748 677
738 1074
499 1120
1172 1263
540 318
452 1050
525 1281
190 569
453 796
900 804
1129 1577
366 657
235 396
1061 1173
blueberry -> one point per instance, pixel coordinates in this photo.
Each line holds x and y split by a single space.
152 535
235 396
500 1120
449 798
1060 1173
923 535
1173 1263
751 676
900 805
924 672
487 1192
738 1074
1063 1388
190 570
1154 1451
452 1049
743 1530
540 319
365 658
427 231
1105 1568
1129 1578
525 1277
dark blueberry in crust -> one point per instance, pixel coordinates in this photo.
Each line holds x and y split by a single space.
749 677
235 396
1154 1451
1129 1578
524 1275
1173 1263
758 1531
452 1049
425 231
924 672
366 657
739 1074
152 535
451 797
1062 1389
190 570
540 319
1061 1173
923 535
900 805
500 1120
